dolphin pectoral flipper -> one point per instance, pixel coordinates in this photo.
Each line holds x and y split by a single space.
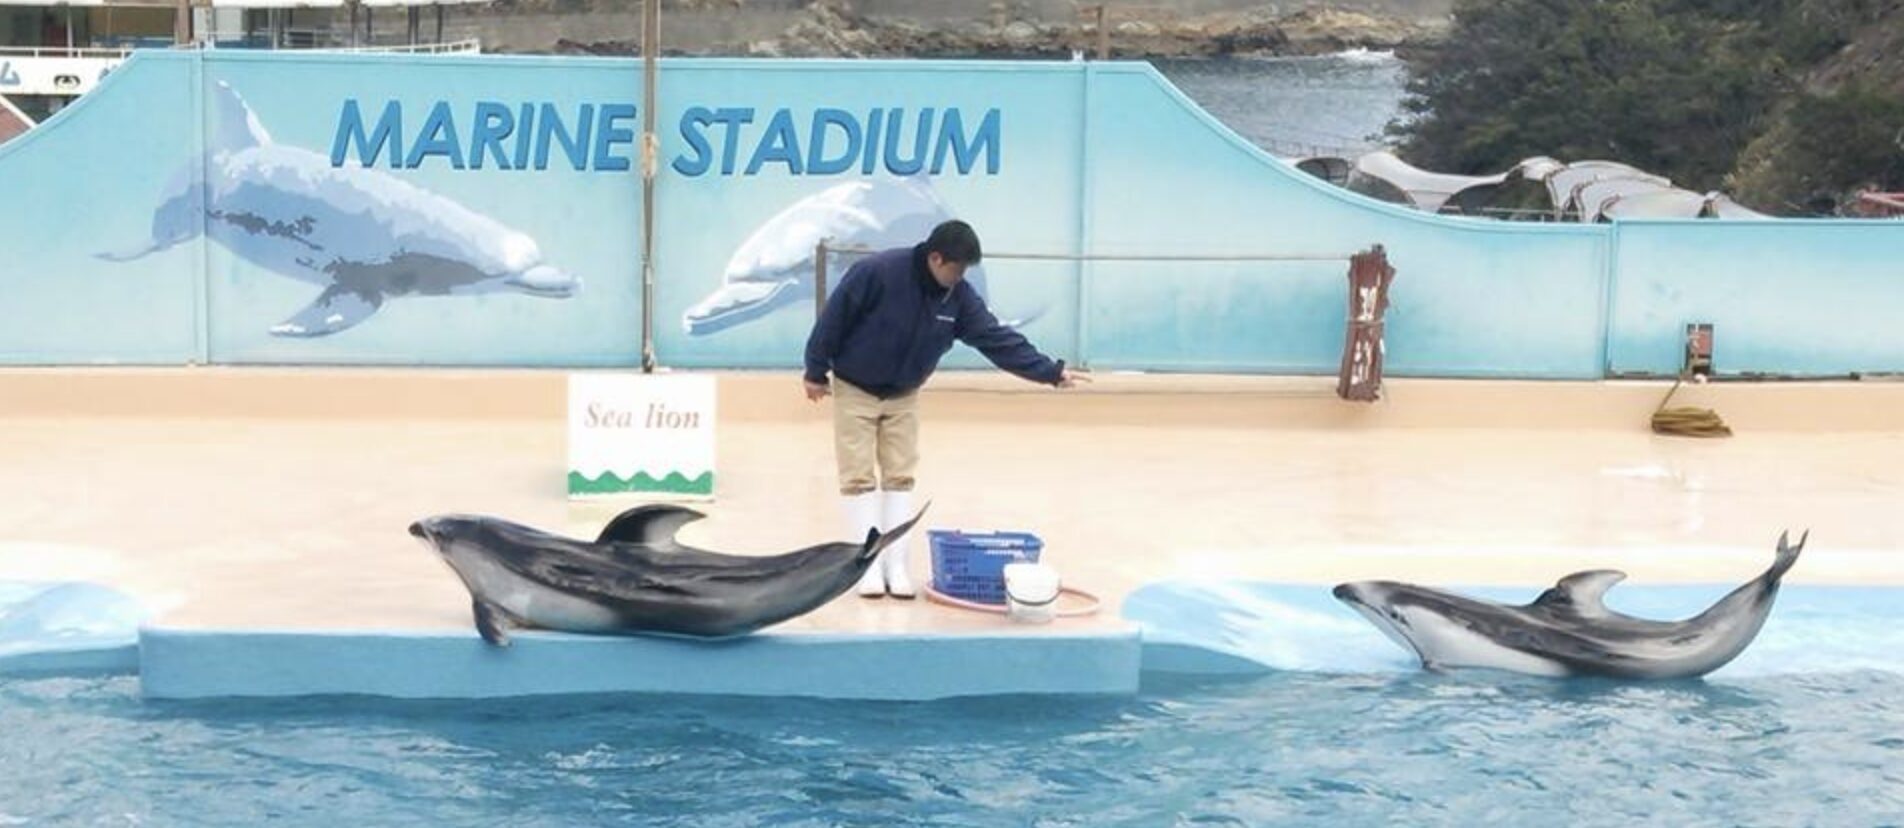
337 308
654 524
491 622
734 303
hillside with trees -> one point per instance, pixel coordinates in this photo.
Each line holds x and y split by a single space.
1790 106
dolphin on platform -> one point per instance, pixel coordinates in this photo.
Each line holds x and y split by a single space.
1568 630
361 235
636 578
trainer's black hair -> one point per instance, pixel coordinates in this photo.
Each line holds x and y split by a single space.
955 241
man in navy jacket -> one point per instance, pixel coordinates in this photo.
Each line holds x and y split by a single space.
882 333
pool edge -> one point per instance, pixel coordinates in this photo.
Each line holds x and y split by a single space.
190 664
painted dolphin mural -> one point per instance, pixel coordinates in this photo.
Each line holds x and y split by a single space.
1569 630
361 235
773 268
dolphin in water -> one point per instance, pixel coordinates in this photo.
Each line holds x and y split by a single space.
1568 630
773 268
361 235
636 578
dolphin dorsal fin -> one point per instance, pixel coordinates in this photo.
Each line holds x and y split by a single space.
650 524
1583 592
235 127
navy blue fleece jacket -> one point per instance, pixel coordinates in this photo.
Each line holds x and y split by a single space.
888 323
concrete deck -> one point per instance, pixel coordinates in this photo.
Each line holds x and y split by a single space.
266 499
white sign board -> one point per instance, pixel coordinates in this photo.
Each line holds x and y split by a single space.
646 435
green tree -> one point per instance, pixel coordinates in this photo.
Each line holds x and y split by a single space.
1675 87
1828 146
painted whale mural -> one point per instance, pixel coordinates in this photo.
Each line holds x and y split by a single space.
362 236
773 268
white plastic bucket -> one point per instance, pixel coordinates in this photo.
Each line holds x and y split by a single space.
1031 592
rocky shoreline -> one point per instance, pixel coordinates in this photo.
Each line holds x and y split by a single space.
831 29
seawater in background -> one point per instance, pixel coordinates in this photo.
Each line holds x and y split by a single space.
1297 106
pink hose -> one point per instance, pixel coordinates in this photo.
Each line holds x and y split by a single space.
937 597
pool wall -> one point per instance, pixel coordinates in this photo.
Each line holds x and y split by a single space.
241 208
1208 629
67 628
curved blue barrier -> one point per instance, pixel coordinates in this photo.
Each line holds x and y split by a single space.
1220 628
68 628
305 208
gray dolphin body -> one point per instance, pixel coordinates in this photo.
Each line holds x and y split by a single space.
1568 630
635 578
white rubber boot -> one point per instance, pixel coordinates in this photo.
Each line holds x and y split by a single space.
896 507
862 515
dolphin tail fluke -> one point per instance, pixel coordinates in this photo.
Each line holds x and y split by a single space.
334 310
1787 554
876 542
131 253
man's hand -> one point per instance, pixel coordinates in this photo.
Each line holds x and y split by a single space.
1073 376
817 391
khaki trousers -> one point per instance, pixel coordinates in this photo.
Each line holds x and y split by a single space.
875 441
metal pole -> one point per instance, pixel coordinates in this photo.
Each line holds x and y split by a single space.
650 151
1103 36
819 278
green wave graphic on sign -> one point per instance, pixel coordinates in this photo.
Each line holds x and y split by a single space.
612 483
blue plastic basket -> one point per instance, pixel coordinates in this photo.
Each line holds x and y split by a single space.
971 565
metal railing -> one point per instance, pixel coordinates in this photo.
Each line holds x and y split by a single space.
228 40
321 41
80 52
455 46
1359 378
822 250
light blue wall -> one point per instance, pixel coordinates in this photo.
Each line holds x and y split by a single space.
1469 299
215 268
585 223
1085 157
1029 203
1797 298
63 200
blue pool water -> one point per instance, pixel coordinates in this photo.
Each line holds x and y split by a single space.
1285 749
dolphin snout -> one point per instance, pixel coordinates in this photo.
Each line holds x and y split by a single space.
418 531
1347 593
548 281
